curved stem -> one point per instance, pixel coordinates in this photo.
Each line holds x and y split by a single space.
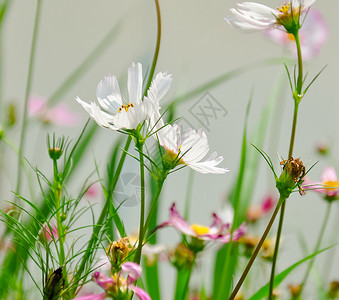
157 47
28 90
257 248
142 203
319 240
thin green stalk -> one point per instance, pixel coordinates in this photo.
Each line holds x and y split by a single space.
276 248
185 291
157 47
104 213
316 249
57 199
300 65
294 126
256 251
137 257
28 90
153 205
297 96
183 280
151 270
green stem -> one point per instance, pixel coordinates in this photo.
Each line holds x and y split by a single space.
151 270
256 251
103 214
297 96
28 90
57 199
294 126
317 247
300 65
153 205
276 248
137 257
157 47
183 276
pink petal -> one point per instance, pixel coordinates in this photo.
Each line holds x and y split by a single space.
133 270
36 105
268 203
92 297
140 292
102 280
61 115
329 174
179 222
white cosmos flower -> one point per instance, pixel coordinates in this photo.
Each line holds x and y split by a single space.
189 148
116 113
251 16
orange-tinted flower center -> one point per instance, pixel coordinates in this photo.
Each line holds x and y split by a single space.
331 185
125 107
199 229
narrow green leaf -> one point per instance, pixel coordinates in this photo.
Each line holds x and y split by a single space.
263 292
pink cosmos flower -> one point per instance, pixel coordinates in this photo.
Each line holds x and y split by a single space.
218 231
329 185
255 212
59 114
93 191
118 284
313 34
50 232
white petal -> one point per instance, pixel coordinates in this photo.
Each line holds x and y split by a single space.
108 94
209 165
169 137
194 145
159 86
134 82
103 119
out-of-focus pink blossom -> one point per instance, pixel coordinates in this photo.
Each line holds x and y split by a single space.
218 231
93 190
50 232
59 114
256 212
118 284
313 34
328 186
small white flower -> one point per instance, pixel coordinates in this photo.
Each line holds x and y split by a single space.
189 148
116 113
251 16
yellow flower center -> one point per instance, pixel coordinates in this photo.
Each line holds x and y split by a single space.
125 107
331 185
285 8
199 229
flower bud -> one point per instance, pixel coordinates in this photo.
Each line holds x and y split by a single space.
293 172
54 284
183 257
333 292
118 251
295 290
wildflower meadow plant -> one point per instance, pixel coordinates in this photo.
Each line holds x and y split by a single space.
56 242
